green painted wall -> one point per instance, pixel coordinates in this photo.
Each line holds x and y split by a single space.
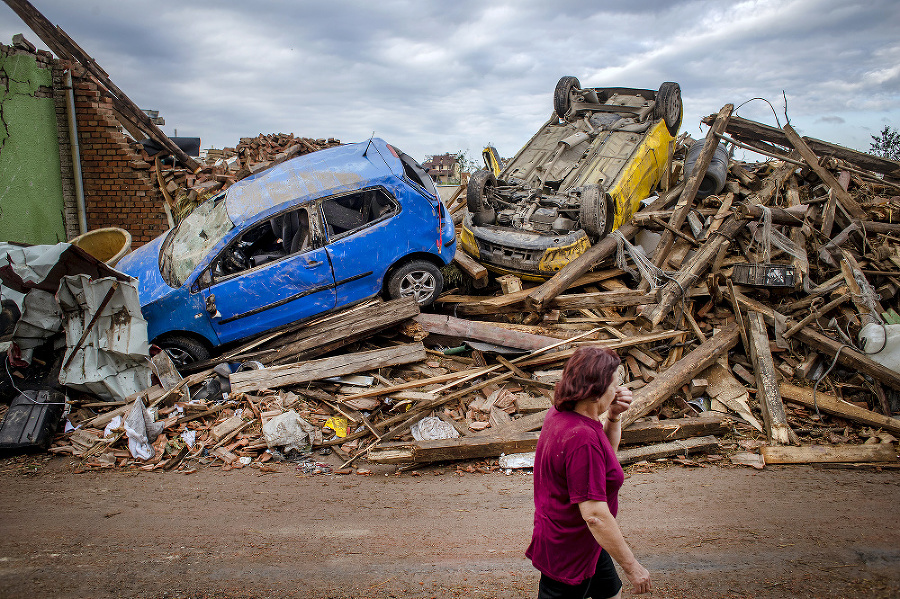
31 197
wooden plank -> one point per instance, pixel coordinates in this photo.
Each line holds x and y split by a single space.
601 299
492 445
832 405
253 380
819 454
342 329
665 450
843 196
675 428
473 305
530 405
442 450
774 417
747 130
481 331
668 382
468 265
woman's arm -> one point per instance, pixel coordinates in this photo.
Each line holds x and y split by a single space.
605 529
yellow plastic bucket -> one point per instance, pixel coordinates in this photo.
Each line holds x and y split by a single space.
108 245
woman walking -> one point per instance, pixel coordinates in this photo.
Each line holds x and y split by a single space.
576 485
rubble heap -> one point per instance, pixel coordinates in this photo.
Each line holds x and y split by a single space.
739 331
183 188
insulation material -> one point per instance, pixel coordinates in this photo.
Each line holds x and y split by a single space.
111 360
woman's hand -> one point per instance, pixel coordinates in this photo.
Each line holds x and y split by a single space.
639 577
620 403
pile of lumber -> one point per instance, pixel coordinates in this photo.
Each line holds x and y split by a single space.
183 189
722 368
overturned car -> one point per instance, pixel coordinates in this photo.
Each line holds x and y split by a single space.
580 177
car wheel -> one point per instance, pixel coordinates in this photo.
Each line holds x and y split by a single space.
419 279
480 187
595 212
184 350
562 95
668 106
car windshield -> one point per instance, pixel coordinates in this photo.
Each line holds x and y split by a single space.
192 240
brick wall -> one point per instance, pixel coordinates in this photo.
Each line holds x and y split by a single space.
117 185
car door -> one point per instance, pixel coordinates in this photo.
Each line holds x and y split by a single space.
275 273
365 237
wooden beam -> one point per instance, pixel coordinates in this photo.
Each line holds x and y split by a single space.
843 196
482 331
666 450
668 382
343 329
832 405
820 454
494 443
777 429
272 378
468 265
752 131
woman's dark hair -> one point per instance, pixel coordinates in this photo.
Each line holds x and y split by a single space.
587 374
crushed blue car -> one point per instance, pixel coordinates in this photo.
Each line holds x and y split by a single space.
310 235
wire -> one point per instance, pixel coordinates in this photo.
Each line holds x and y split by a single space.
821 378
778 122
23 394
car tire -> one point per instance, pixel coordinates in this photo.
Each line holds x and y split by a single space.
479 189
419 279
184 350
562 95
669 107
595 211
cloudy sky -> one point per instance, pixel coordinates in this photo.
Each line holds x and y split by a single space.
432 77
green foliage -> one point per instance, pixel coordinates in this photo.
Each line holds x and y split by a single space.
466 164
886 145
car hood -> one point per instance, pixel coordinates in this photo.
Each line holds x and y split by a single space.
143 265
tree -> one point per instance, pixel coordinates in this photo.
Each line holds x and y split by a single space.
466 164
887 145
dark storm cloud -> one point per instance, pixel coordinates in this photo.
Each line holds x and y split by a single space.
434 77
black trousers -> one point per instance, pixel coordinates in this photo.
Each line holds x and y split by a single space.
605 583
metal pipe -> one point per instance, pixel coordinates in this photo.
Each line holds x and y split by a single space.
76 155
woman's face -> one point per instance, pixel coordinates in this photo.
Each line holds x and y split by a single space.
609 395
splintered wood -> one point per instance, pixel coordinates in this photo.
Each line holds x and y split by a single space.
769 323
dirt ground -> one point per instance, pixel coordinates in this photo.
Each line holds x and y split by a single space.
702 532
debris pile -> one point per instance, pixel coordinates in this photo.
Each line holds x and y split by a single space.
183 188
758 324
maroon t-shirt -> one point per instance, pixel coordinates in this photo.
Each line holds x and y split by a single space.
574 463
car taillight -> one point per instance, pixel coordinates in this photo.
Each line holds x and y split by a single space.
393 151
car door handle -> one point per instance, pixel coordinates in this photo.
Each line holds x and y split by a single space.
312 263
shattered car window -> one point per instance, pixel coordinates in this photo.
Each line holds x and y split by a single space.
192 240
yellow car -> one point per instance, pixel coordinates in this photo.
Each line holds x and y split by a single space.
580 177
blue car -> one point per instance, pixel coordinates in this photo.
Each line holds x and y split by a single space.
307 236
